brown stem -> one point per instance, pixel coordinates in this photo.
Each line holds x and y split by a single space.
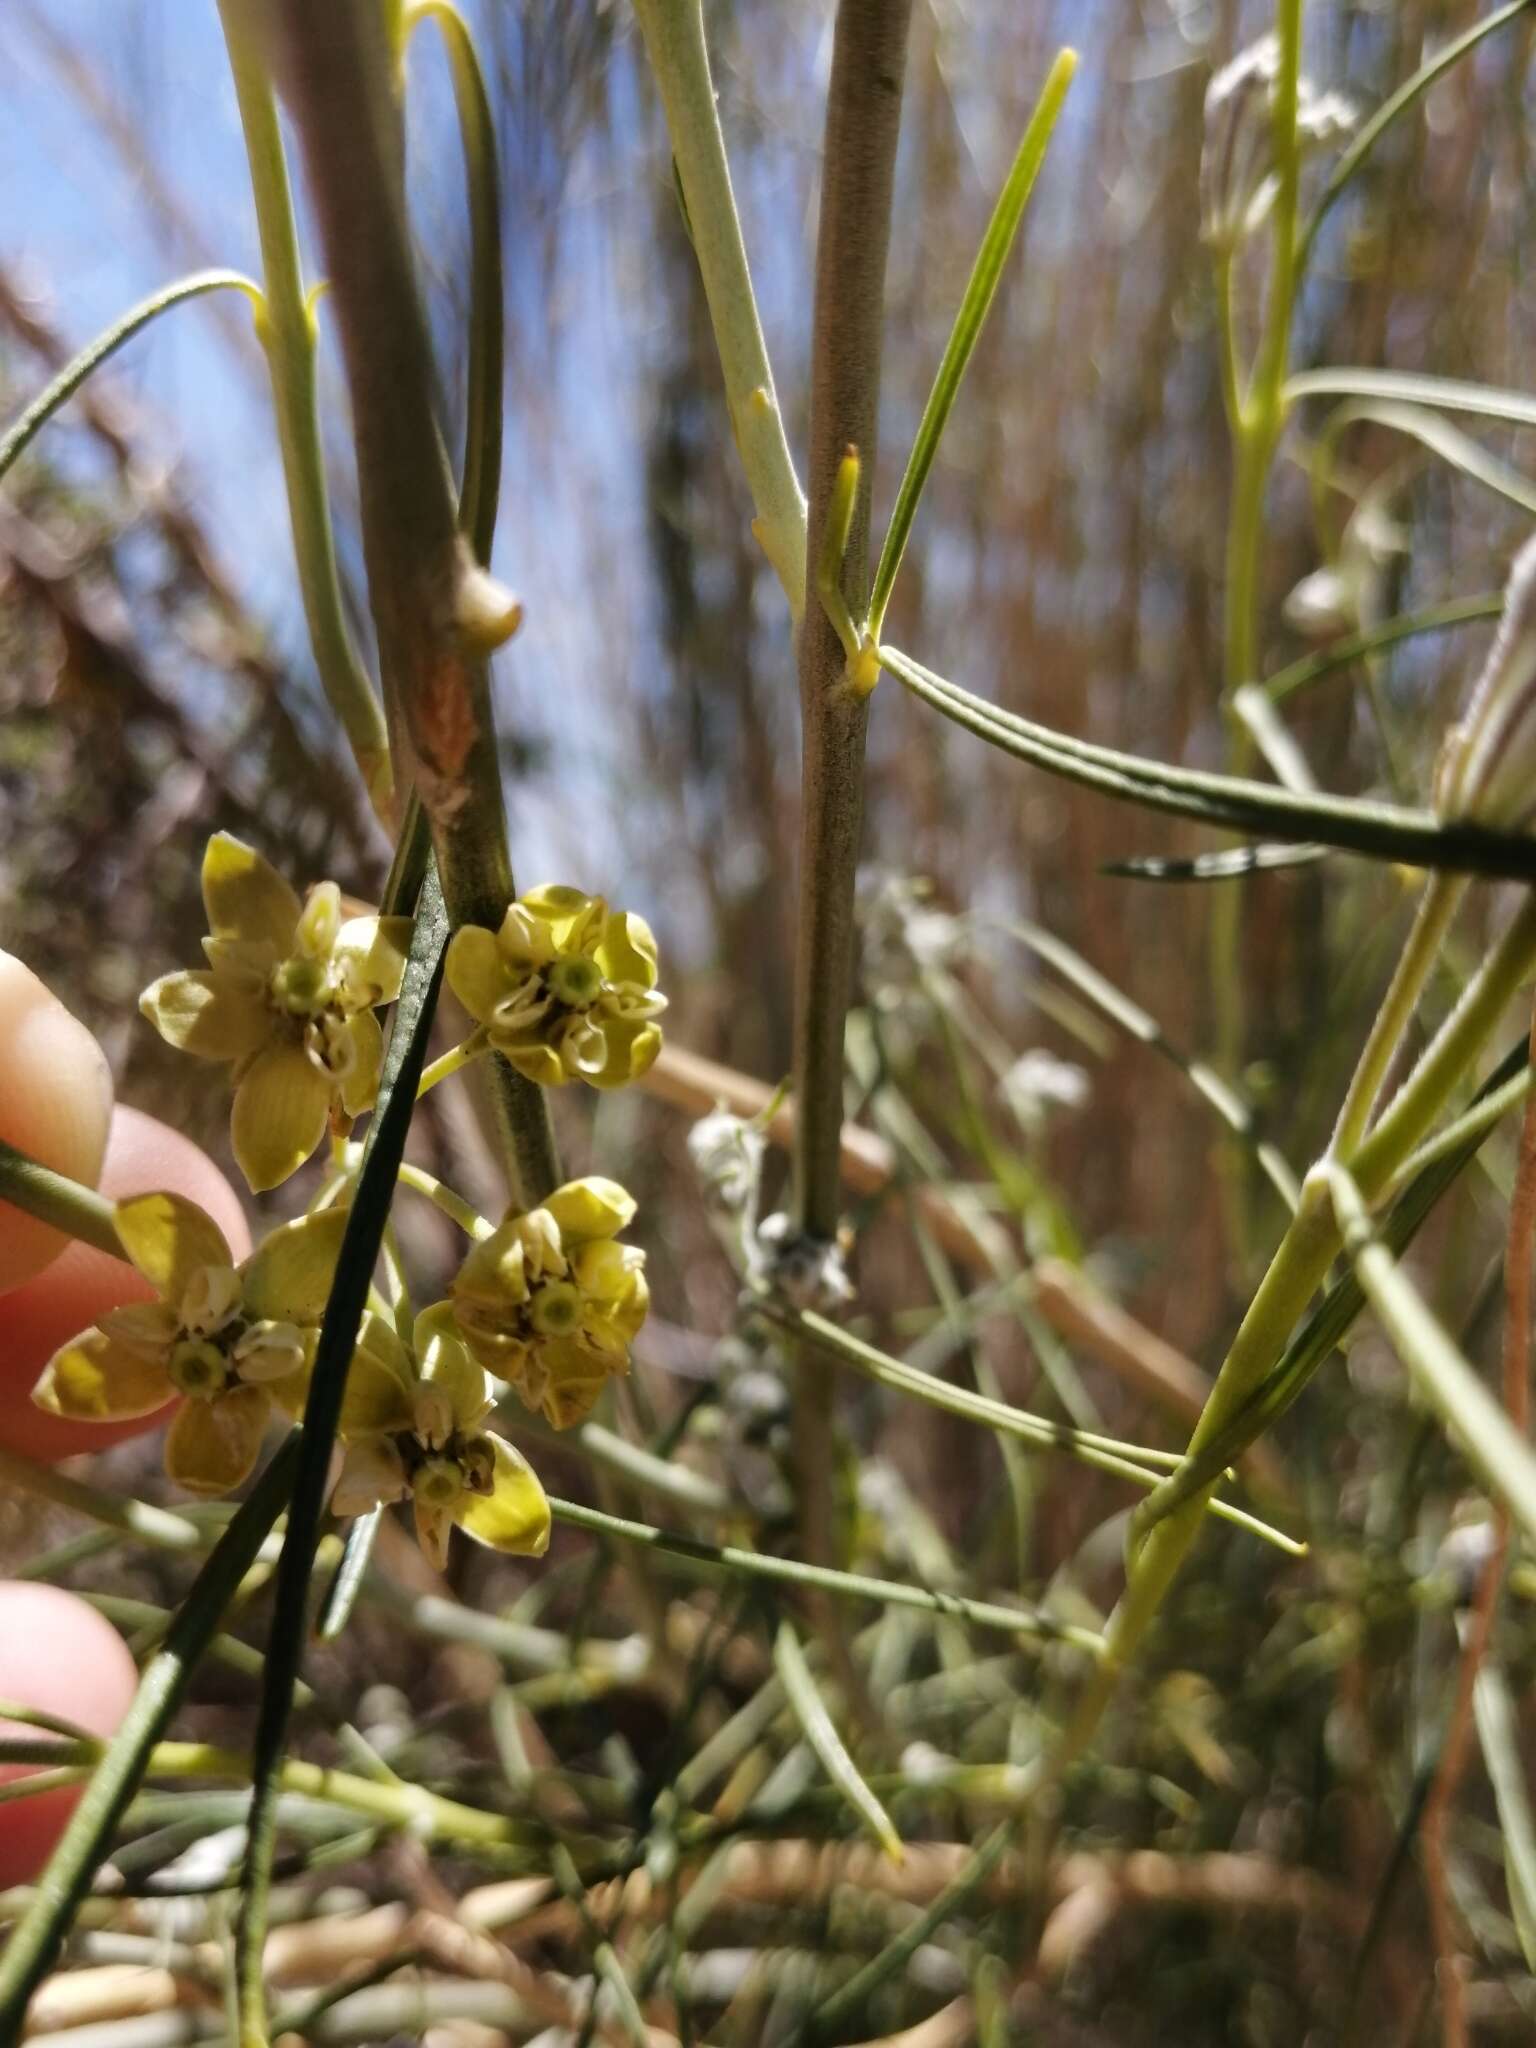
858 166
858 171
437 613
1478 1631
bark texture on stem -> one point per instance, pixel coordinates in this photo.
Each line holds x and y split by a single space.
438 614
857 178
858 170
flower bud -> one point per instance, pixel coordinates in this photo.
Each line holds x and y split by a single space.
1237 172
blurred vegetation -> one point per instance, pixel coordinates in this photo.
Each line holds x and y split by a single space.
1236 1861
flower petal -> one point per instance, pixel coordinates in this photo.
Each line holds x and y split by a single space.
319 923
537 1063
476 970
573 1377
170 1240
627 949
288 1276
632 1046
446 1363
146 1327
371 953
212 1445
375 1403
279 1115
433 1528
514 1516
245 896
593 1207
96 1379
371 1473
211 1015
358 1069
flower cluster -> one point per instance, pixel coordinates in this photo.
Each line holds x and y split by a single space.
234 1340
565 990
550 1301
288 997
413 1425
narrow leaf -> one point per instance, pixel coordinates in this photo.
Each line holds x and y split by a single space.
1380 831
1496 1451
1457 611
382 1153
819 1730
974 307
1141 1025
480 476
1411 387
1425 426
1498 1733
1229 866
74 373
341 1594
1395 105
1329 1323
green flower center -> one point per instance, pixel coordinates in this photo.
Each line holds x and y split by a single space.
577 983
199 1368
555 1310
438 1482
301 987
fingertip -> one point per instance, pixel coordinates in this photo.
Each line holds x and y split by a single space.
142 1155
55 1104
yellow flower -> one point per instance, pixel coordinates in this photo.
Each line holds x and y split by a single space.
551 1303
412 1425
288 996
232 1339
566 990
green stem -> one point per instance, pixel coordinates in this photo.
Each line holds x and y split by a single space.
1256 418
398 1805
138 1519
453 1206
1437 907
285 326
788 1571
1464 1129
673 32
1310 1245
53 1198
454 1061
1103 1453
